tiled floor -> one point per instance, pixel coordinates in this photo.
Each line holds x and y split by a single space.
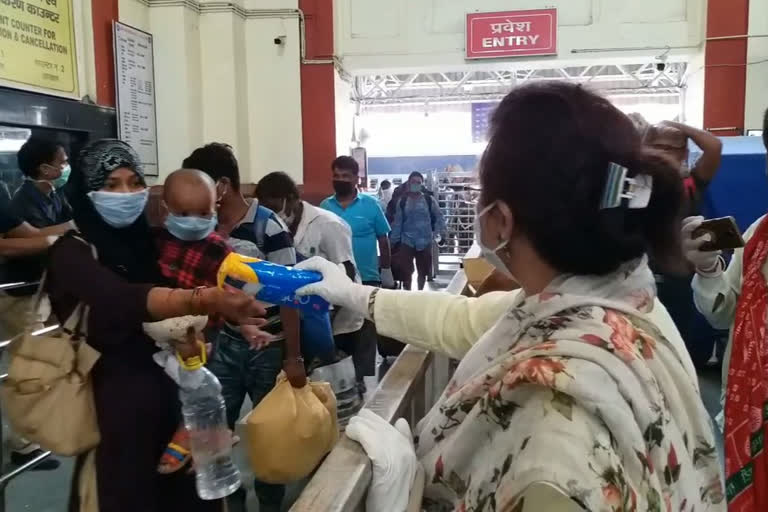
48 491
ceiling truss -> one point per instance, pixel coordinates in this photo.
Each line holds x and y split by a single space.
614 80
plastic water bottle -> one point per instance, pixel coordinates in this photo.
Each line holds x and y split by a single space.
204 413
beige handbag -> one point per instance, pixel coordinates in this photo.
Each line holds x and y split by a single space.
48 395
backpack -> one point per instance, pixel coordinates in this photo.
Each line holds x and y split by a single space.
428 196
391 206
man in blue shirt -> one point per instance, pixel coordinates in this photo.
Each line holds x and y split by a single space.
369 228
367 220
418 222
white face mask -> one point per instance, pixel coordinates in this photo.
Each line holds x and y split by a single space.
387 194
288 219
489 254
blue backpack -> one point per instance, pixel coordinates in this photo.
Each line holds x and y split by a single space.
316 330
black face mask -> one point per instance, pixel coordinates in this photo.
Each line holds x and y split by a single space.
343 188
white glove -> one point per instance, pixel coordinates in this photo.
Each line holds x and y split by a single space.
387 279
336 286
392 456
706 262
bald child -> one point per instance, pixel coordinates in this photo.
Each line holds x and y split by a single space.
190 254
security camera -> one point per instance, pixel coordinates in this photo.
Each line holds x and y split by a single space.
280 40
661 60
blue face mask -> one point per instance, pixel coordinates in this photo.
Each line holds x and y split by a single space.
415 187
119 210
190 228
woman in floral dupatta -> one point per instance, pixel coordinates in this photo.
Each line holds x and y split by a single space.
573 393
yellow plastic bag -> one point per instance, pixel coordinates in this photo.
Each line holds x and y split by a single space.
290 431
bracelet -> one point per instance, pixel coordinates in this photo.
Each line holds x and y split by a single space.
372 304
715 271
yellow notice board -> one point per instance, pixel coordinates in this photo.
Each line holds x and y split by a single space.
37 45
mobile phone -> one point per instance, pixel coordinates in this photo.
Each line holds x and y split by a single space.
724 231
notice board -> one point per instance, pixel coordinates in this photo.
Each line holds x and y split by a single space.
135 84
37 46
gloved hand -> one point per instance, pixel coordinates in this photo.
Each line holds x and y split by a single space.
707 262
387 279
392 456
336 286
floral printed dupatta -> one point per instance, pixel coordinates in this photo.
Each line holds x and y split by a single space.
576 389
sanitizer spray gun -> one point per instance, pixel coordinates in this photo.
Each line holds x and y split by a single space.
271 283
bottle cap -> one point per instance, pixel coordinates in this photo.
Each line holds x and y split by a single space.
194 362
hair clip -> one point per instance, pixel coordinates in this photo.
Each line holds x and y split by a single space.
618 187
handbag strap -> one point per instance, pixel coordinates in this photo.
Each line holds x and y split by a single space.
37 299
76 326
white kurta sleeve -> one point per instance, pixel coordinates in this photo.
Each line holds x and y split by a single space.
437 321
716 297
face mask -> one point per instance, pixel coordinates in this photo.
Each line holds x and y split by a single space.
415 187
190 229
62 180
386 194
117 209
288 219
489 254
343 188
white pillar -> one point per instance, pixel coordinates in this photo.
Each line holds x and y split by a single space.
224 83
273 98
178 87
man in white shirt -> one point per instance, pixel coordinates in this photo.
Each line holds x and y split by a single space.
319 232
385 194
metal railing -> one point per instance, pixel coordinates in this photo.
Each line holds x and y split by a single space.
6 478
410 387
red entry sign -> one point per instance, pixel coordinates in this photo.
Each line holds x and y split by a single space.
492 35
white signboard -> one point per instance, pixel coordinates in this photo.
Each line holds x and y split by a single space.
135 83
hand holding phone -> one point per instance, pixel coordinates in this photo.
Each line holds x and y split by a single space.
724 234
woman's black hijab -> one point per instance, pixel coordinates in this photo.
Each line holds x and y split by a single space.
129 252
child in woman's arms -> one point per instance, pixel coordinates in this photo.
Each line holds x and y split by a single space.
190 254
